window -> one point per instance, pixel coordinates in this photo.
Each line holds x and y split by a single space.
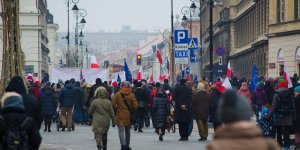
297 9
280 10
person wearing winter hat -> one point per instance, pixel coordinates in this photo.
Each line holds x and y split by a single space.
31 105
13 109
124 103
238 132
259 98
282 109
297 119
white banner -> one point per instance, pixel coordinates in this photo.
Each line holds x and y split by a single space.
90 75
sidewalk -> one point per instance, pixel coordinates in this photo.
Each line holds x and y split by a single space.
52 147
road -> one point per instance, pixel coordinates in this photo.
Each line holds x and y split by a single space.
82 139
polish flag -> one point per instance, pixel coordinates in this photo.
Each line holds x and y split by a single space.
226 85
229 71
140 74
94 63
150 80
287 78
158 56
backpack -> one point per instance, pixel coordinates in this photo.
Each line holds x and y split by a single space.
284 105
160 93
15 136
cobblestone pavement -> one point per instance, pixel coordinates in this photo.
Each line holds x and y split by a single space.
82 139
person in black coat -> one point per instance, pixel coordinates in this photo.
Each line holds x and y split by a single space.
297 114
215 97
182 96
141 97
13 111
92 91
160 111
32 108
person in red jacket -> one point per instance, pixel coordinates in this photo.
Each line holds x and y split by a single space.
244 91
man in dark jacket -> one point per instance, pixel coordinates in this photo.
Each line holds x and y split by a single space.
140 95
13 109
92 91
32 108
182 96
67 101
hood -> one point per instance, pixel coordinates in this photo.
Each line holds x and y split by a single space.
101 92
69 86
125 91
17 85
12 101
244 89
233 133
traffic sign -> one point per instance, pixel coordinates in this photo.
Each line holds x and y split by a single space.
181 47
193 43
194 55
187 70
180 36
220 51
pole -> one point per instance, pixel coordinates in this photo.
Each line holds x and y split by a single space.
68 36
87 57
172 61
76 42
211 33
201 61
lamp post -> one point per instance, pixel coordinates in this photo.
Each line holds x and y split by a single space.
185 11
82 44
172 60
79 25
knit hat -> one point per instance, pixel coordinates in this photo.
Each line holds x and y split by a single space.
297 89
233 108
12 100
260 84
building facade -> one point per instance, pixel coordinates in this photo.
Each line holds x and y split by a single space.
284 37
33 28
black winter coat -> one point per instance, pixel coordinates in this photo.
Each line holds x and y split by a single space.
182 95
31 128
214 106
297 119
68 96
160 112
141 95
32 109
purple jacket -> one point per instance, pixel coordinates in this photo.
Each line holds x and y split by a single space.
259 96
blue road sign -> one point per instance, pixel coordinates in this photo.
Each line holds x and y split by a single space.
180 36
181 54
193 43
220 51
194 55
187 70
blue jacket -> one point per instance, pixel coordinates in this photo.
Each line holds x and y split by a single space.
48 102
67 96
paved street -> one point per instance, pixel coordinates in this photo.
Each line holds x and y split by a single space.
82 139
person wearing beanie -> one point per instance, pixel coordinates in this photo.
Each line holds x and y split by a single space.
12 108
200 110
259 98
297 118
140 95
31 105
182 95
282 111
238 132
124 104
215 98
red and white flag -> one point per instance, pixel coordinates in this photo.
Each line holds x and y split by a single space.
150 80
229 71
287 78
94 63
226 85
158 56
140 74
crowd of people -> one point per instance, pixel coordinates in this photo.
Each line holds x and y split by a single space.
271 104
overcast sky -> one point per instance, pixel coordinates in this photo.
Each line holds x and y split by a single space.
110 15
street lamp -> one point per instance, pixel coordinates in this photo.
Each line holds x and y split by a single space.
185 11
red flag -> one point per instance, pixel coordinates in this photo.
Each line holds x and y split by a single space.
158 56
140 74
94 63
229 71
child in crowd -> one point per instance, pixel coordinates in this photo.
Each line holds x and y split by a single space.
265 124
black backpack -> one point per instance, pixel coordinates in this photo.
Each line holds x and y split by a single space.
15 136
284 105
160 93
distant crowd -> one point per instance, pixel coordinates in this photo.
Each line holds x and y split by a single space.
272 105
